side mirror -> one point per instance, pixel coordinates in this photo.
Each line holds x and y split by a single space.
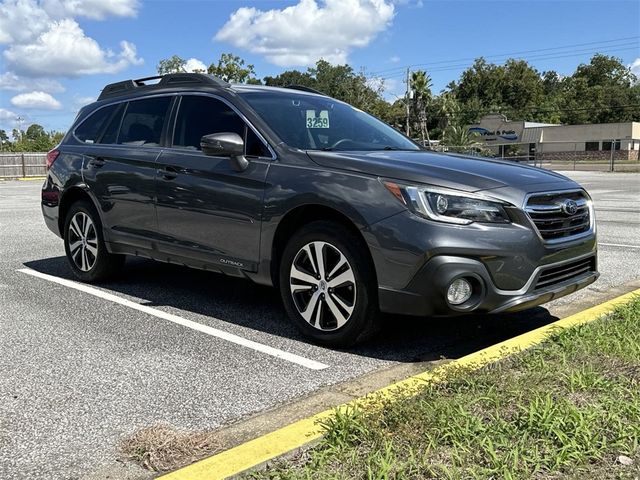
226 144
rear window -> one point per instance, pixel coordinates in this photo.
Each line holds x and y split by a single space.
143 121
90 129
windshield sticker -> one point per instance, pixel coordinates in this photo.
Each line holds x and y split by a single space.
320 121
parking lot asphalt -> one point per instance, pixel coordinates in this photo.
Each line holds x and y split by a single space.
81 369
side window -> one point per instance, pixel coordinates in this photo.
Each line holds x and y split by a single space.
110 135
143 121
199 116
89 130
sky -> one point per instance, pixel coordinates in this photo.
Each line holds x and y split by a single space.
56 55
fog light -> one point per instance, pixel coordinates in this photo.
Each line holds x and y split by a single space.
459 291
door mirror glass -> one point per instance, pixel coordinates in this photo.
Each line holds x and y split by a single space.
226 144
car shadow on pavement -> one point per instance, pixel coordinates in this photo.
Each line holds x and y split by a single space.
241 302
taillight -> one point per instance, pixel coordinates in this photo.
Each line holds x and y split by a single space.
51 157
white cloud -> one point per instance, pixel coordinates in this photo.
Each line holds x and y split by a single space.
301 34
393 89
7 120
394 59
45 40
193 64
128 54
95 9
7 115
376 83
64 50
39 100
24 20
635 67
21 20
410 3
15 83
80 102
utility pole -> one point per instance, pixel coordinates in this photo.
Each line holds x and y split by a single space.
613 146
19 121
408 99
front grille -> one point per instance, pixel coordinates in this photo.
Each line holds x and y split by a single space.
554 275
554 220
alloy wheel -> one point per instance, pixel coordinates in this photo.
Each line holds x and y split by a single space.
323 286
83 241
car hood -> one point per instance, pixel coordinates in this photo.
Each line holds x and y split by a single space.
446 170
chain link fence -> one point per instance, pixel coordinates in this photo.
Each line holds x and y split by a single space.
23 165
608 157
605 156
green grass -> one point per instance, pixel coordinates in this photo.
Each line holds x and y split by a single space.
565 409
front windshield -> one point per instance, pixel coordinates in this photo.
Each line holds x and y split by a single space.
310 122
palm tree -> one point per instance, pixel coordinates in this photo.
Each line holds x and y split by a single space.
449 111
458 139
421 87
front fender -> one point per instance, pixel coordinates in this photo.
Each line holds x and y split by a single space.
360 198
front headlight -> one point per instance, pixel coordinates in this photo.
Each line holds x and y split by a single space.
449 206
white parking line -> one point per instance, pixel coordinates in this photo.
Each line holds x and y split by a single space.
230 337
618 245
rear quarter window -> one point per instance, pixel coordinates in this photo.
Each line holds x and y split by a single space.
90 129
110 134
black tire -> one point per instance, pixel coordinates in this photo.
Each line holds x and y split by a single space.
364 318
93 267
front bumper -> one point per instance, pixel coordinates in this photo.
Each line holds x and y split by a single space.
426 294
509 266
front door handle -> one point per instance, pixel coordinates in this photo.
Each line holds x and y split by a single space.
170 172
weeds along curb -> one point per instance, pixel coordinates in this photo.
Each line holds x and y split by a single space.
298 434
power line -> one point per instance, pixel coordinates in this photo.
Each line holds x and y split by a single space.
562 47
532 111
541 57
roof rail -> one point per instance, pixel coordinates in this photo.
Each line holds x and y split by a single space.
304 88
171 79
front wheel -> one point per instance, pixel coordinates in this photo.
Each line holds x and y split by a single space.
84 245
328 285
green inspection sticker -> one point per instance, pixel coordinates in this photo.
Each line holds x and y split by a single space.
319 121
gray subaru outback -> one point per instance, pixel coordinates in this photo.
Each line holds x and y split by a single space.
290 188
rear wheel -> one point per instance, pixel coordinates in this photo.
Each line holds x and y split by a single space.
328 286
84 245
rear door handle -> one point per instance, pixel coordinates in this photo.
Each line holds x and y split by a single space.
97 162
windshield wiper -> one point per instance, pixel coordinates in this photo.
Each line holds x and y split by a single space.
386 147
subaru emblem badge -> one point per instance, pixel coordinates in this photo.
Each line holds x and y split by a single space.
569 207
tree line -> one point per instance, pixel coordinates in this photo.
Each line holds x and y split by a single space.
601 91
33 139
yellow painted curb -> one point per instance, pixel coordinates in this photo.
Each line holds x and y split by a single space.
281 441
29 179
